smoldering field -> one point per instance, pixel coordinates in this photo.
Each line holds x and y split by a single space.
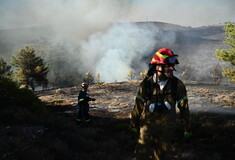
117 99
212 116
124 46
81 36
54 133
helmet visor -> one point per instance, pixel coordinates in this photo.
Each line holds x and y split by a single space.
171 60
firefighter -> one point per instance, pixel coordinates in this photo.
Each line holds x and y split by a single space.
154 112
83 104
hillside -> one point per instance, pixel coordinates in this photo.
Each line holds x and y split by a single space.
14 38
195 47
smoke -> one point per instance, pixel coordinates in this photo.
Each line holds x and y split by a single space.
111 54
73 20
98 33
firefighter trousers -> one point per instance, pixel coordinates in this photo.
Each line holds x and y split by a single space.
153 143
83 112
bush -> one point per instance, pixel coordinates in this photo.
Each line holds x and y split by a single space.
8 89
15 101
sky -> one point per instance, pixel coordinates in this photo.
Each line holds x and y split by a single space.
25 13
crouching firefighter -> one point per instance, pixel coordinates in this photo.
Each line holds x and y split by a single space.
154 112
83 104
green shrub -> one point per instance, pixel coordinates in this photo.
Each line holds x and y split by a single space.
27 99
8 90
15 101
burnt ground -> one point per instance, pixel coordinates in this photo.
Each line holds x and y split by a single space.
212 112
117 99
56 135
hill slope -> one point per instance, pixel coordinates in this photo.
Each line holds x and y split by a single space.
195 47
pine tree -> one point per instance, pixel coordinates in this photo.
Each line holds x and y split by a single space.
30 69
229 54
5 70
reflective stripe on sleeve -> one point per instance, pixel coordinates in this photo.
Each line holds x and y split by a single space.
183 100
82 99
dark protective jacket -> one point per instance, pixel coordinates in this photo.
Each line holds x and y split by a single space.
83 106
174 93
83 98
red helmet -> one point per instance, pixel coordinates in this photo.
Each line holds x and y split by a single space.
164 56
84 85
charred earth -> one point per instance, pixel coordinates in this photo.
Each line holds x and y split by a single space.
55 134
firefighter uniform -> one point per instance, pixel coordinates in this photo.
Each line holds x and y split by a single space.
83 104
154 113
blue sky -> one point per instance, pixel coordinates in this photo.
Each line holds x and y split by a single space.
24 13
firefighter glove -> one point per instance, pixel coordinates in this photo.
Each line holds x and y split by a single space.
188 136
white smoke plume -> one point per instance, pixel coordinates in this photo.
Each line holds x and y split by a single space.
111 54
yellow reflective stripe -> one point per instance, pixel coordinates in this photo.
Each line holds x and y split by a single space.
182 100
140 98
185 98
160 55
81 99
